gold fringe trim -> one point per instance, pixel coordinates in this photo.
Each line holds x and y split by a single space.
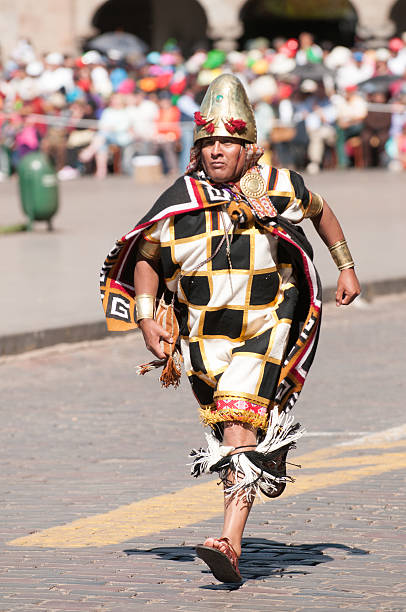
211 417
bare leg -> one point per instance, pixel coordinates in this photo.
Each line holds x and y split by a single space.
90 151
236 509
101 164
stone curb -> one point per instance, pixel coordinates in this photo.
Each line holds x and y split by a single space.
29 341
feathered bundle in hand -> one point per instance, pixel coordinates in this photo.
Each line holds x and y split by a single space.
172 363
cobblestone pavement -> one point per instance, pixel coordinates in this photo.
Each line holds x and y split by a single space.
82 436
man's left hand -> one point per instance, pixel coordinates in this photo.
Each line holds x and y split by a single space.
348 287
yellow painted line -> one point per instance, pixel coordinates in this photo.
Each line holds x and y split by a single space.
201 502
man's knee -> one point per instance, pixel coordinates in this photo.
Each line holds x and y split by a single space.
238 432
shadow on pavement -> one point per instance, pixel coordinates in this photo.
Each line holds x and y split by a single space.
260 557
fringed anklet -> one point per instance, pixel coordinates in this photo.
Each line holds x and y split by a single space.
250 472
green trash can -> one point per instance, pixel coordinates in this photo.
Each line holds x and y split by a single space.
38 188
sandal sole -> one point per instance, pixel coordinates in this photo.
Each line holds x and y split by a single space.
219 564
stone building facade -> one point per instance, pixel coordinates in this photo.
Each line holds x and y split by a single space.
63 25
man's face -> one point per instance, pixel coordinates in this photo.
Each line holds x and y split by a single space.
223 158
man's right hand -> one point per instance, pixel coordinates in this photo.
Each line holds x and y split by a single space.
153 333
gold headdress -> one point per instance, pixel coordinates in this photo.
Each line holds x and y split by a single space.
226 111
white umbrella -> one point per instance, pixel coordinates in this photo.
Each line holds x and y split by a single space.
123 42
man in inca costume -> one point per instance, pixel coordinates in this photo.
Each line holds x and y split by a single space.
223 247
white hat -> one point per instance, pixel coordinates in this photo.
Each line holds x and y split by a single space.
382 55
339 56
54 58
254 54
34 69
205 77
92 57
282 64
308 86
263 86
236 57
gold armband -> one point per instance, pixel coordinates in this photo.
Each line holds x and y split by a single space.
149 250
145 305
315 207
341 255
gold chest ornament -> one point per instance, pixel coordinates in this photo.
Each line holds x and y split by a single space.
253 185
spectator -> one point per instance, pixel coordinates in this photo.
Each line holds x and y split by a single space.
375 132
26 139
114 129
143 114
168 132
397 61
351 111
308 52
54 140
79 138
187 106
357 68
297 119
56 75
263 92
382 57
320 128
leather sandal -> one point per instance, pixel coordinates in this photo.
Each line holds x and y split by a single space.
224 566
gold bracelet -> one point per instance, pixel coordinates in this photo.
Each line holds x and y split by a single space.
145 305
341 255
315 207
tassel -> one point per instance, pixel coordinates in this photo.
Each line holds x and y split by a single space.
172 363
199 119
235 125
172 371
202 121
209 127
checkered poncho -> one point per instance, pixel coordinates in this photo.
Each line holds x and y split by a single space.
192 193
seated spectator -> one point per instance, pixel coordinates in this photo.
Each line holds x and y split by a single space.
263 91
397 61
300 117
56 75
351 110
320 128
26 139
143 114
187 106
79 137
382 56
303 100
168 132
114 129
375 132
53 143
308 52
357 68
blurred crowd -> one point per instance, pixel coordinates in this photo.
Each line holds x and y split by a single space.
317 105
